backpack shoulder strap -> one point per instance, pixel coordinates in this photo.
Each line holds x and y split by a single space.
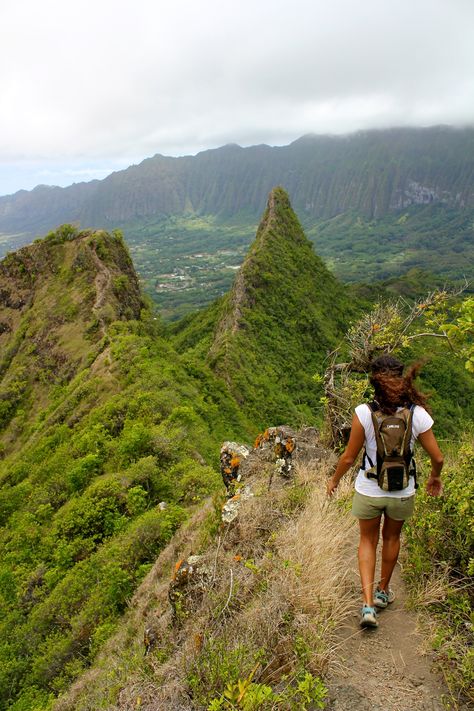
373 407
409 457
410 427
376 422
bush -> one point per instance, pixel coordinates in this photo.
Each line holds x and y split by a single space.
193 481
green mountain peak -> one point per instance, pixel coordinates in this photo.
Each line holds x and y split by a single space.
57 297
284 313
280 231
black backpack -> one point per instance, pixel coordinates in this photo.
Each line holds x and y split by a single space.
395 461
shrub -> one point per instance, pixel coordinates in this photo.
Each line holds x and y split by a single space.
192 481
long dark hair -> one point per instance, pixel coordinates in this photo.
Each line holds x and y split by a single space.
392 388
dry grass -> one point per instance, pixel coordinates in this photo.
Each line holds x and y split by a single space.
316 543
276 594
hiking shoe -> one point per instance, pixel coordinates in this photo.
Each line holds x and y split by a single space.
368 616
382 598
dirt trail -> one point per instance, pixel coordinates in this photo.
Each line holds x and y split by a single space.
384 669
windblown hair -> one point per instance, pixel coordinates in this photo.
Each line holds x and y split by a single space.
392 388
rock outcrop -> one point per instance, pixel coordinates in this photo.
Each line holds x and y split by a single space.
272 459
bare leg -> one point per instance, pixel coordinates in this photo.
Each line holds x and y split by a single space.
391 530
369 536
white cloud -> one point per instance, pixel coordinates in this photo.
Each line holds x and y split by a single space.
106 81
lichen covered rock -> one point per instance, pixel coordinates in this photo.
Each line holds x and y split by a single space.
272 459
232 455
190 578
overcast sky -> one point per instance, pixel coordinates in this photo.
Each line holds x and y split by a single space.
92 86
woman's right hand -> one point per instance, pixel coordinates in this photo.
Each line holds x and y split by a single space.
428 441
434 487
331 486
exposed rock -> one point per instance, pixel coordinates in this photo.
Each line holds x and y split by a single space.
275 453
282 441
11 302
191 578
230 509
232 454
149 639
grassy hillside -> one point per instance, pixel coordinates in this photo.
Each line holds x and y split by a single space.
262 617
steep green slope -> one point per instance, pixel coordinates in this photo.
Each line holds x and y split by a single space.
57 298
274 329
107 423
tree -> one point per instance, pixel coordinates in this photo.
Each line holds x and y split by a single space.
386 330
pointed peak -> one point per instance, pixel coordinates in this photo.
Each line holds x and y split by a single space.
278 197
279 255
279 219
277 204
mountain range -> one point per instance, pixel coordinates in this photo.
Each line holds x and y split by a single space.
373 172
375 203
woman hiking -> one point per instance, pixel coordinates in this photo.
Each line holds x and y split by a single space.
396 401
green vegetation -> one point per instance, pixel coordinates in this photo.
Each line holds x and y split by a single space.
186 262
87 459
440 567
78 505
375 203
434 238
246 695
110 429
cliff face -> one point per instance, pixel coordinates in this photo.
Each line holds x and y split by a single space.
373 172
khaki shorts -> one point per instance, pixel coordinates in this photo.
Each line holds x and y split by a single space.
373 506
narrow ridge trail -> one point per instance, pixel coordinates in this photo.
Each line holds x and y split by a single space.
388 668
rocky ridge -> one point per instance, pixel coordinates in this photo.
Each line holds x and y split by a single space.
57 297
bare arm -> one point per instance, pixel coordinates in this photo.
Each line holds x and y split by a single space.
430 445
347 459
